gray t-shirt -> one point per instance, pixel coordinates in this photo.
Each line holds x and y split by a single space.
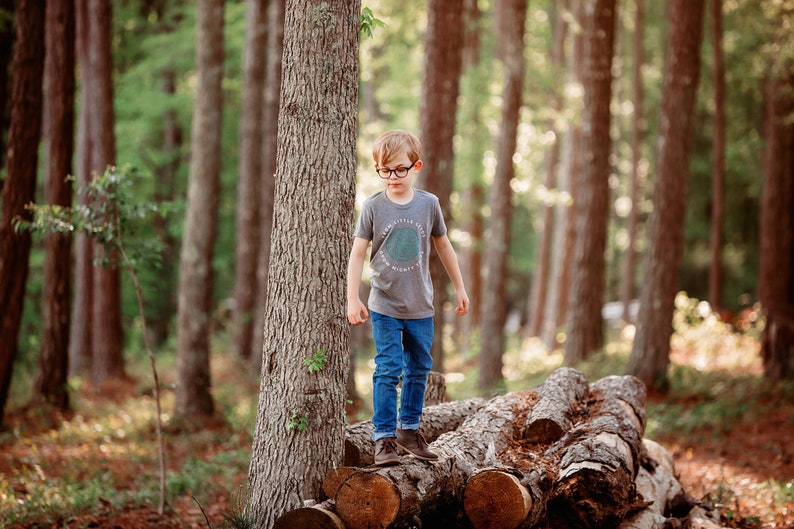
400 235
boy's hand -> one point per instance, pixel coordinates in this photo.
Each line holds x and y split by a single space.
462 300
356 312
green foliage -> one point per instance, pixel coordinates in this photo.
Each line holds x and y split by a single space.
298 422
369 22
317 361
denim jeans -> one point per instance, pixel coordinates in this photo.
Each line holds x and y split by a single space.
403 351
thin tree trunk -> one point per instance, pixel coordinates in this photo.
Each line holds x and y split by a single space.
250 175
438 109
718 177
650 354
6 48
301 414
20 183
586 297
196 278
50 385
638 97
511 16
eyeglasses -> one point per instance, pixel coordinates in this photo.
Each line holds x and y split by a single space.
400 172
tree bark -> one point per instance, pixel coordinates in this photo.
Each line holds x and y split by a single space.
301 413
650 353
585 324
718 171
437 111
6 54
20 184
193 396
511 15
553 413
50 384
247 231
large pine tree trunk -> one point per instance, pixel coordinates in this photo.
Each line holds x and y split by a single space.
301 413
106 334
50 384
275 48
193 397
650 354
20 183
586 297
511 15
437 110
250 175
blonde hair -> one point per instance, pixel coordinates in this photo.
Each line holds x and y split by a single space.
390 144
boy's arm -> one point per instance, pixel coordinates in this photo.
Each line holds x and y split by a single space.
450 261
356 311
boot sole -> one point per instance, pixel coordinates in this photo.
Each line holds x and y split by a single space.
402 449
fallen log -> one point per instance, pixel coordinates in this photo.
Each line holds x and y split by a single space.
558 398
436 420
318 516
428 492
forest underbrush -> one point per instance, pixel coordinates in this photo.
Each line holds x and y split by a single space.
731 435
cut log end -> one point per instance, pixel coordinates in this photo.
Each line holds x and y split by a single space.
309 518
367 500
496 500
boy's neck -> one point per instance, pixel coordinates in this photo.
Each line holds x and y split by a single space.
400 198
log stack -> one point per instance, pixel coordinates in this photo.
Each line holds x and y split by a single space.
567 454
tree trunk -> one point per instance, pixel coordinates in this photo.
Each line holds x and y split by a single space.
275 48
437 111
636 155
80 331
510 32
250 175
20 183
50 385
193 396
650 354
6 49
585 324
301 413
107 359
554 412
718 172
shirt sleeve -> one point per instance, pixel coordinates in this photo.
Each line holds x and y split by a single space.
364 225
439 226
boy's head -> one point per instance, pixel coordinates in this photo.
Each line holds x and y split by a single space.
391 144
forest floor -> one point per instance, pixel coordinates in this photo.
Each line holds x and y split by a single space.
731 435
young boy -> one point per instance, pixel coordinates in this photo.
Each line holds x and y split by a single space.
400 222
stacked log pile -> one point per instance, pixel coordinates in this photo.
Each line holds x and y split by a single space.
567 454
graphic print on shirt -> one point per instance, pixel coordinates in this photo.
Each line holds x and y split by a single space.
402 247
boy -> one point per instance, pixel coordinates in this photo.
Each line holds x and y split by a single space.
400 221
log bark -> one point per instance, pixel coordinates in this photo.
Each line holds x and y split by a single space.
317 516
428 491
558 398
436 420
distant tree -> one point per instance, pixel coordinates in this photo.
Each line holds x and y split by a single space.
650 354
300 420
270 118
247 229
19 187
194 326
511 16
718 171
586 297
107 347
638 100
50 385
437 111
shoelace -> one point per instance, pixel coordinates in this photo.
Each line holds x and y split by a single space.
385 444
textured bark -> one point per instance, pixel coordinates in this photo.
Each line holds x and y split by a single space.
438 109
650 354
50 385
250 175
586 297
6 49
20 183
193 397
318 516
314 206
436 420
511 16
275 47
553 413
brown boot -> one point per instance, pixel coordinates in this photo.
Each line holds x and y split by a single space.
413 442
386 452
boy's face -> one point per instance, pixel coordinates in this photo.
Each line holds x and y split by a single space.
398 174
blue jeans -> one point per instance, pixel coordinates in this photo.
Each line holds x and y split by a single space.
403 350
